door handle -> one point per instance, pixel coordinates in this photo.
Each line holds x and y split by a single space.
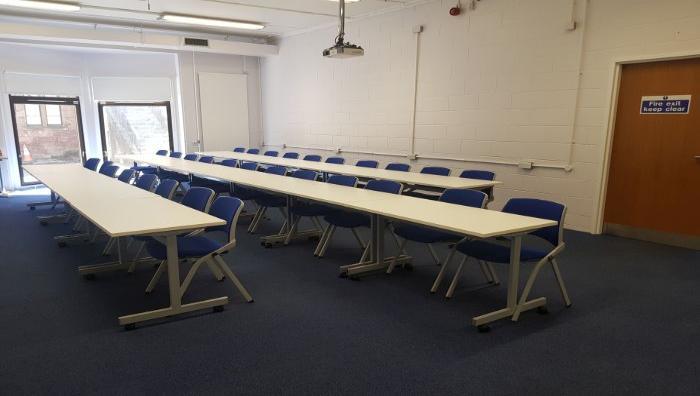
697 157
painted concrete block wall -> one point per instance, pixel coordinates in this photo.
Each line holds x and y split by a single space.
503 83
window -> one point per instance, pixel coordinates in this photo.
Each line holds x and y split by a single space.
135 128
53 115
32 114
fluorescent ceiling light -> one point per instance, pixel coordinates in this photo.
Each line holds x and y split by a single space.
224 23
41 5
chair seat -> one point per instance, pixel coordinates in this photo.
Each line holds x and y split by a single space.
271 201
423 235
347 219
310 210
495 253
194 246
245 194
218 186
145 169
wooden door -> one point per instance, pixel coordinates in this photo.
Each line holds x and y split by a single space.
654 178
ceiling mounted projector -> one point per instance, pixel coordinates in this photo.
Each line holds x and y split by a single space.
341 49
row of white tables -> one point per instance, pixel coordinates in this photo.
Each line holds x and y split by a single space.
462 220
409 179
122 210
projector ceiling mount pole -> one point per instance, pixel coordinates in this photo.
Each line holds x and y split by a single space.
341 30
341 49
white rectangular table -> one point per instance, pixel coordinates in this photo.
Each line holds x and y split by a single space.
409 179
462 220
122 210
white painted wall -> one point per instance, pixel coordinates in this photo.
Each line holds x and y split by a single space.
496 84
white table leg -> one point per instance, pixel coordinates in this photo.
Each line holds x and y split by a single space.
377 261
176 305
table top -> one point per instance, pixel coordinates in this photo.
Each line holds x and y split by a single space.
119 209
409 178
476 222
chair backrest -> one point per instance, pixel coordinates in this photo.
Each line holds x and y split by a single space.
542 209
335 160
305 174
276 170
249 165
229 209
191 157
147 182
162 152
435 170
343 180
206 159
109 170
271 153
398 166
367 163
176 154
239 150
291 155
92 163
127 175
105 164
312 157
387 186
198 198
253 151
231 163
466 197
477 174
166 188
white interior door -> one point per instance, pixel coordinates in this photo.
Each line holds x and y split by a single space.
223 102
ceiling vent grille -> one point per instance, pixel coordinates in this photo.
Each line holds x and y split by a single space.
195 42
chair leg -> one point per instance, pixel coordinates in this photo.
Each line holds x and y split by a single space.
193 270
132 267
327 242
322 240
108 247
317 222
229 273
494 276
161 268
215 270
528 287
455 280
560 280
432 253
292 230
365 253
357 237
443 269
260 213
392 265
485 270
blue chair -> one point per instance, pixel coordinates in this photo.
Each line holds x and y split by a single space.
367 164
480 175
429 236
245 193
312 157
253 151
239 150
266 200
205 250
486 251
92 163
291 155
127 176
109 170
301 209
148 168
271 153
435 170
398 166
206 159
335 160
104 165
191 157
175 154
147 182
181 177
354 220
230 162
166 188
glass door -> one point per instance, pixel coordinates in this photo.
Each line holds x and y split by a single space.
135 128
47 130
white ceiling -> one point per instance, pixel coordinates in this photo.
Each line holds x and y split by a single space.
280 17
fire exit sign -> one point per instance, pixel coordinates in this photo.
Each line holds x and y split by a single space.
668 104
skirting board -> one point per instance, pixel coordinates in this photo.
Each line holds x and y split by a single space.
666 238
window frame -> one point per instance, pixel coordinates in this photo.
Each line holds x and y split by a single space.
100 114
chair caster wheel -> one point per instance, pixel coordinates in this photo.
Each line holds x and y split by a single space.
130 326
569 306
89 276
542 310
483 328
62 244
218 308
44 222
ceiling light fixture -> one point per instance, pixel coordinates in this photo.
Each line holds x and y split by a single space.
41 5
213 22
341 49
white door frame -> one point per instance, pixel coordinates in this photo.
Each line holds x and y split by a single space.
614 91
